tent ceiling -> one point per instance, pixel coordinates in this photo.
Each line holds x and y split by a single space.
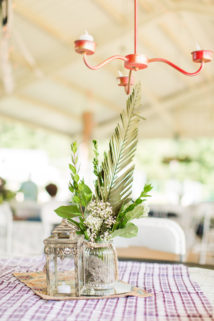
54 88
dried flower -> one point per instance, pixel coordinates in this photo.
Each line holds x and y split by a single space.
94 223
100 220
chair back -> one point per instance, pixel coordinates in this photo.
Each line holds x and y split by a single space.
159 234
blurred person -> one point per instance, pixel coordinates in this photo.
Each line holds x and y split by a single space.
48 216
29 190
51 189
27 208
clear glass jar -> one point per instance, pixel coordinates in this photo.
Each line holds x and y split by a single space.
98 271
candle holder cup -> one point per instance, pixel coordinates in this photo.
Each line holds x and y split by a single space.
124 81
200 56
85 47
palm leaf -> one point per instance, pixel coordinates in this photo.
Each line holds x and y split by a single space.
118 164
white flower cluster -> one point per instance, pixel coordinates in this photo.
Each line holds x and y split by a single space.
94 223
100 209
99 220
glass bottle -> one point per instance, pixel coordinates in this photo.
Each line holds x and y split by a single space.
98 269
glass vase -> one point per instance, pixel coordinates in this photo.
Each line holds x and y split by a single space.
99 269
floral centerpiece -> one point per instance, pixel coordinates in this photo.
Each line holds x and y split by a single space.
107 212
6 195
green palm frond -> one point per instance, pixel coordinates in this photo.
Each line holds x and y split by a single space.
118 166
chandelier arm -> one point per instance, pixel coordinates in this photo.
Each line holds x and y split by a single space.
128 87
106 61
176 67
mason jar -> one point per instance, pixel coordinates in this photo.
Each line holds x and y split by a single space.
98 269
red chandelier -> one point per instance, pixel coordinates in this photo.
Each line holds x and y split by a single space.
85 45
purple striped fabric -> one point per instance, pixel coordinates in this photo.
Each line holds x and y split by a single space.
175 296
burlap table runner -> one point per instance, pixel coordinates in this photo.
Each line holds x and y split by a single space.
36 281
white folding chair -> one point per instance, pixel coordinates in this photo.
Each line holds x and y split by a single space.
158 234
207 245
6 225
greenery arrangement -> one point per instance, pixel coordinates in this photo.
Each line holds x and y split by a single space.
109 211
5 194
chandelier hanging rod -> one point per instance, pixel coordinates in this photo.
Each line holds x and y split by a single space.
85 45
135 26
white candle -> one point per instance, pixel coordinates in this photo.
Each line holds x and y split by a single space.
64 288
86 36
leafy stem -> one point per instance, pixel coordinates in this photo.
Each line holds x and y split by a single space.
134 210
82 194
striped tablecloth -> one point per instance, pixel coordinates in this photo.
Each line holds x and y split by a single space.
175 296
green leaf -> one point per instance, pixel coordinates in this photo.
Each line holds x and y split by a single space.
76 160
130 230
74 147
88 198
85 188
72 168
81 220
132 206
118 165
76 178
71 188
86 193
95 148
79 232
75 185
147 189
76 199
68 211
138 201
82 226
80 187
137 212
86 235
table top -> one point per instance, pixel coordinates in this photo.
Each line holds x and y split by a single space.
205 279
176 296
